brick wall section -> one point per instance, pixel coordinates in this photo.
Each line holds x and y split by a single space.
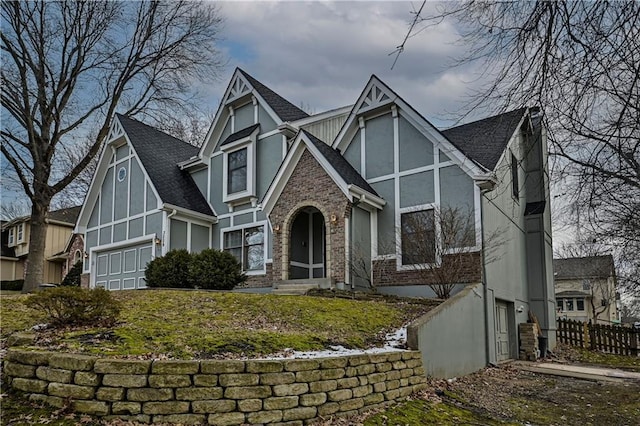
77 244
259 281
219 392
385 272
310 185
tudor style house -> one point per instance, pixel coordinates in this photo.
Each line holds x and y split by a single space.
324 200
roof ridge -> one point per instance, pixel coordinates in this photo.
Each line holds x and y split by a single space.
286 110
156 129
487 118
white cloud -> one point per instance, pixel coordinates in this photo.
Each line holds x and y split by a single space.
323 53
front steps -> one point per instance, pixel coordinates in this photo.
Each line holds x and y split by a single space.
300 286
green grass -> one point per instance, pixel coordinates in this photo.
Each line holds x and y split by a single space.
419 412
199 324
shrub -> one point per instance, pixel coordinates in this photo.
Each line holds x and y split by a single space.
171 270
76 306
216 270
72 279
15 285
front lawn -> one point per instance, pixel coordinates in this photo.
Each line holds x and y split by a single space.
200 324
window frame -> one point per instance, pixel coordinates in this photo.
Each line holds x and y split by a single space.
11 239
20 233
436 240
243 247
238 197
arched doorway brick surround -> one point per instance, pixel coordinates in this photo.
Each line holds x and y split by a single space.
310 186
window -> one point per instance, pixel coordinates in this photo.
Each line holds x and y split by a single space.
514 177
247 245
237 171
570 304
418 237
11 240
20 237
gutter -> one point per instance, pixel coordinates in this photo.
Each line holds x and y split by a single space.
175 209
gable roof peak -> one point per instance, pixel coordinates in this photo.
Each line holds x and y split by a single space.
282 107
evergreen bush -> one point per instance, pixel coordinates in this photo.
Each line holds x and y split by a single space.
216 270
171 270
72 279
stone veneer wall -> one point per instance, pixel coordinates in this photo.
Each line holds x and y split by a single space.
220 392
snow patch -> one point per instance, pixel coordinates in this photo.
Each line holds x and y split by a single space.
394 342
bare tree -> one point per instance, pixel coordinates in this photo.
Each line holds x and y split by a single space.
190 127
580 62
437 244
13 210
68 66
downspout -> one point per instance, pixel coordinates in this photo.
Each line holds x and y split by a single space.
485 290
169 216
352 284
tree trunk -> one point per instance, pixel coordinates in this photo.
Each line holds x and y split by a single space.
37 236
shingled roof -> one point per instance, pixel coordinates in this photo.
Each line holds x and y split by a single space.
160 153
485 140
583 267
240 134
340 164
285 109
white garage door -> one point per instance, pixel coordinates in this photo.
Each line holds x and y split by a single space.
123 268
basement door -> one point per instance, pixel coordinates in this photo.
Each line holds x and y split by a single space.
502 332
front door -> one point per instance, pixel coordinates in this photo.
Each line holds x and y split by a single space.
502 332
307 257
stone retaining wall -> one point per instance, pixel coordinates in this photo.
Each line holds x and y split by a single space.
219 392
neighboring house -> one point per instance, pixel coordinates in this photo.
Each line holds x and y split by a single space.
59 231
586 289
296 198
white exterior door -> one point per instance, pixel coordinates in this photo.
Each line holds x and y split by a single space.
502 332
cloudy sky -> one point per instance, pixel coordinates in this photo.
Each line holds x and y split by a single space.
321 54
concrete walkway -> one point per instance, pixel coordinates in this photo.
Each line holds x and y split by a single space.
579 372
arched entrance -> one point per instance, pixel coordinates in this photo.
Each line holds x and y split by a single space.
307 248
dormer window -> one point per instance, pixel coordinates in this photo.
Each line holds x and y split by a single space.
239 165
12 239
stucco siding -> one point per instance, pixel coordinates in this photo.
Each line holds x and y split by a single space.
456 189
386 217
200 178
451 337
415 149
417 189
269 157
178 234
244 117
353 152
379 146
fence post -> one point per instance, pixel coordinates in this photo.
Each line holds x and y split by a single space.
633 341
592 336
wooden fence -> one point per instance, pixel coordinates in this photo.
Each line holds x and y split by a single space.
614 339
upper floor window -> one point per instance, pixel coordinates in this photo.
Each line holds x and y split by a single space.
11 240
237 171
239 165
418 237
515 189
247 245
20 232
